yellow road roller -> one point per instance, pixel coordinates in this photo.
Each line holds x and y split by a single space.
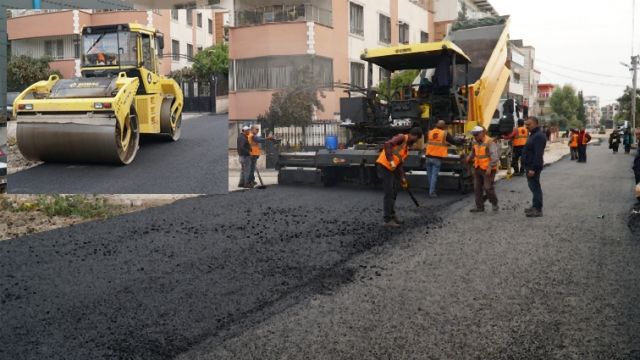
98 117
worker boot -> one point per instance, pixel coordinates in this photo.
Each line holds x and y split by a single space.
534 213
391 224
476 209
495 207
395 218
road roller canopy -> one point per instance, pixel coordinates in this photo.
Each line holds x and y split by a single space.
414 56
112 45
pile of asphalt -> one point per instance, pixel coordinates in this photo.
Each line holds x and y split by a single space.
153 284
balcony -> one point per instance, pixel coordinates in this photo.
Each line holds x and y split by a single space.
282 14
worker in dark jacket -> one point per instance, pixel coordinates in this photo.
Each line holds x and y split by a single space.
533 162
583 139
244 156
389 167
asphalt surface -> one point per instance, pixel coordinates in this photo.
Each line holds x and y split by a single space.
195 164
294 272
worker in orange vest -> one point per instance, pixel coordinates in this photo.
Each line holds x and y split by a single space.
254 141
485 166
437 149
583 139
519 136
389 168
573 144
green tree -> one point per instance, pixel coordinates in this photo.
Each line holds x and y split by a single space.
211 61
399 80
294 105
625 105
581 116
565 103
23 71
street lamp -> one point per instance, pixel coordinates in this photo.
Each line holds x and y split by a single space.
634 68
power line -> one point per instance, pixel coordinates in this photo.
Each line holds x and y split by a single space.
583 71
585 81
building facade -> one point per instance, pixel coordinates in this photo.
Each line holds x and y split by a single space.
447 11
186 32
592 111
543 108
270 40
609 113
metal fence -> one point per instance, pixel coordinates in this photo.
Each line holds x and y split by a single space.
198 94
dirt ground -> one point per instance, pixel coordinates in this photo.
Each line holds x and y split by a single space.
15 161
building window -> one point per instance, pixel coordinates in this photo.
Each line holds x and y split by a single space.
403 33
175 50
424 37
210 26
199 20
54 49
189 52
174 14
278 72
356 19
357 74
385 29
199 48
189 17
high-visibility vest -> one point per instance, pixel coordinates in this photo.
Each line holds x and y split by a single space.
574 140
482 158
437 143
255 147
399 154
521 136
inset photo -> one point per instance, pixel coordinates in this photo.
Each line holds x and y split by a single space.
127 101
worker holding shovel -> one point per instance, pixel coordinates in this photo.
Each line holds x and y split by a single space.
390 171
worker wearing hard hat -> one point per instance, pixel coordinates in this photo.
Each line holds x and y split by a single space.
390 171
244 156
485 160
437 149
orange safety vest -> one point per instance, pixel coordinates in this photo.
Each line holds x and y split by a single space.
574 140
399 154
437 143
255 147
521 136
482 158
584 138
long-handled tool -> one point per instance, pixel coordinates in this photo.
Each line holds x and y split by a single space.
261 186
412 197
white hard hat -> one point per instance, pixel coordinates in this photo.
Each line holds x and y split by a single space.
477 129
245 128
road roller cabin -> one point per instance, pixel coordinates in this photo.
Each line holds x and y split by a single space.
99 117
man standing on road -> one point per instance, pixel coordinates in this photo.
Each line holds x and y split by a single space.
438 140
626 141
254 142
583 139
390 171
244 155
573 144
485 165
532 159
519 136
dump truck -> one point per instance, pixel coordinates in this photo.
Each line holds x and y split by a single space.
99 117
461 80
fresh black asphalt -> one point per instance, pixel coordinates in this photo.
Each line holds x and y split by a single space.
196 164
297 272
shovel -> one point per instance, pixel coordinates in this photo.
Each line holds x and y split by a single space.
261 186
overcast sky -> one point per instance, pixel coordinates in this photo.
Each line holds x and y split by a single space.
577 39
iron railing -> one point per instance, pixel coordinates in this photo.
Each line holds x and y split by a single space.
282 14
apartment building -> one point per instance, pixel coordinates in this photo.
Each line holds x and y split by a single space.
593 115
187 31
543 108
447 11
270 39
524 77
609 113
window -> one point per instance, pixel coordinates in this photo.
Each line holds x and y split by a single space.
189 17
356 22
54 49
199 48
189 52
385 29
403 33
174 14
424 37
357 74
199 20
146 52
278 72
210 25
175 50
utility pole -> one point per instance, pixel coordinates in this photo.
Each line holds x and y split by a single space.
634 68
